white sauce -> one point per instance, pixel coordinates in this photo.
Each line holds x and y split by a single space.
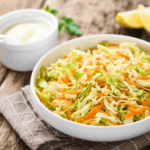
28 32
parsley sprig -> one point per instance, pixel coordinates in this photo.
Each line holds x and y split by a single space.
65 22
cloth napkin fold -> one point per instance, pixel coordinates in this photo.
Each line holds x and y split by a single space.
19 111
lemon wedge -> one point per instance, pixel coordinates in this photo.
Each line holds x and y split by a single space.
129 19
144 14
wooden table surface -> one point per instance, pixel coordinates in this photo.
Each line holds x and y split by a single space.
93 16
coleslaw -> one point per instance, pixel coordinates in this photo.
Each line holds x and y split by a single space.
103 86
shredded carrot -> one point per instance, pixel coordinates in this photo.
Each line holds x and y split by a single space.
148 70
145 78
89 78
98 63
73 70
100 95
68 109
140 64
65 79
98 58
145 103
125 92
131 104
116 98
65 56
131 82
82 61
65 99
112 46
113 122
69 112
53 67
125 56
89 121
124 74
48 106
54 103
108 86
136 111
104 84
93 112
131 108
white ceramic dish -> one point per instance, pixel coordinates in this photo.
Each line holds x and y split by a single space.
24 56
87 132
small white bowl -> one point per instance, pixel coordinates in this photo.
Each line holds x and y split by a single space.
24 56
87 132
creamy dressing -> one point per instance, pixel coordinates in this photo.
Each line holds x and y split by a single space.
28 32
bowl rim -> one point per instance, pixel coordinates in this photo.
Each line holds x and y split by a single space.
15 12
66 120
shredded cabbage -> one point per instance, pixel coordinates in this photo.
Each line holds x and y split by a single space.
103 86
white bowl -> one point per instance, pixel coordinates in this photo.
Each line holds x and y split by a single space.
87 132
24 56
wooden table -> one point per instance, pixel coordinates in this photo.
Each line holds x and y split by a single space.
93 16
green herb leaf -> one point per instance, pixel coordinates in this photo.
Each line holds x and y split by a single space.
54 11
70 26
60 26
47 8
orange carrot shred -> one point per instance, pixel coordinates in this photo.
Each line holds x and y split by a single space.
113 122
131 104
131 82
113 46
69 112
100 95
66 79
145 103
89 121
145 78
93 112
73 70
65 56
127 57
136 111
54 103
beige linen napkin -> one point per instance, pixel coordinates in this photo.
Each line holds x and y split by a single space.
18 109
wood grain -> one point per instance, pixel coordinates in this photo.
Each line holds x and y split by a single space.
12 81
94 17
10 5
97 17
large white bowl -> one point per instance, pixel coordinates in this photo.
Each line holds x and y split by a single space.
87 132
